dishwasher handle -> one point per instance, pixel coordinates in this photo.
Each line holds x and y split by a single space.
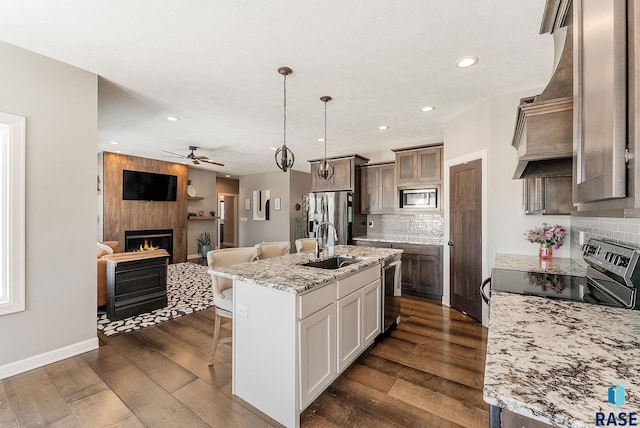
486 296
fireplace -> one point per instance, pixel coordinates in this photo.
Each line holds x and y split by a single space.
144 240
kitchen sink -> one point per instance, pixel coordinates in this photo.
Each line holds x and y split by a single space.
332 262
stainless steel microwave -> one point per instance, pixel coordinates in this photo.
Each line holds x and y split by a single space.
426 198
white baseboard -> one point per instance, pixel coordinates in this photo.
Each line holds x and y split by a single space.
49 357
193 256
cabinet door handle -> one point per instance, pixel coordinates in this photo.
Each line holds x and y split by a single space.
450 243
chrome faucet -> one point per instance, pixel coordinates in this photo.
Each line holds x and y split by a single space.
318 248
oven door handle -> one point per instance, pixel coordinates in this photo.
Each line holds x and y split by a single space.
483 293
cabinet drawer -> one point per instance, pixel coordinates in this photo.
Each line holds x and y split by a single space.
427 250
313 301
357 281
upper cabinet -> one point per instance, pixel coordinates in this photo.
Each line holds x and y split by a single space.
344 175
378 188
547 196
606 90
418 165
601 102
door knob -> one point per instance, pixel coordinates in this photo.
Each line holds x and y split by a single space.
450 243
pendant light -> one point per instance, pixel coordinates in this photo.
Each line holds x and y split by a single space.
284 155
325 168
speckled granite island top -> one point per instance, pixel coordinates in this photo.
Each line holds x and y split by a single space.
522 262
286 273
554 360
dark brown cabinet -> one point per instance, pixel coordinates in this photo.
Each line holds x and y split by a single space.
136 283
547 196
421 268
606 105
375 244
420 165
600 74
378 188
344 176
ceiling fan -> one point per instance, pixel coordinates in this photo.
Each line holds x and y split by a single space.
195 159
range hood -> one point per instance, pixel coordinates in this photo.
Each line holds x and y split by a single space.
543 135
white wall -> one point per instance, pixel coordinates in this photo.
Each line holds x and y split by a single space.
205 184
277 227
507 223
60 104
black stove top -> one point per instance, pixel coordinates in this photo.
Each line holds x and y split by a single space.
554 286
612 279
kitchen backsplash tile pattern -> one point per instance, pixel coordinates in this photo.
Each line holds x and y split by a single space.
405 228
620 230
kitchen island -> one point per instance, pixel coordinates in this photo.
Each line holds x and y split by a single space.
554 360
296 328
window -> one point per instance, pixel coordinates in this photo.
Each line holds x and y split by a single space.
12 189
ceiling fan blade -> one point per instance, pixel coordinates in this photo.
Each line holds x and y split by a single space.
202 157
212 162
175 154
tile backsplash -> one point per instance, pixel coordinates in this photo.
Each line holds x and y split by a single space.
621 230
405 227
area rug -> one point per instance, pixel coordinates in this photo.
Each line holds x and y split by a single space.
188 291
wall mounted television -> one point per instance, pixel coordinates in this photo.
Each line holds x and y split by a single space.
148 186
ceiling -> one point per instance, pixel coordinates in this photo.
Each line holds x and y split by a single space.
213 64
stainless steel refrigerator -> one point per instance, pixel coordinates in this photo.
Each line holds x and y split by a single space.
338 208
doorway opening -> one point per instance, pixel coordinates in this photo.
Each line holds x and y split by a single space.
228 225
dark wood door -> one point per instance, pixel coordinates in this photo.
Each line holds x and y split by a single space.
465 235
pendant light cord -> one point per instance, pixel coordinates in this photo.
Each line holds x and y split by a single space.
284 144
325 131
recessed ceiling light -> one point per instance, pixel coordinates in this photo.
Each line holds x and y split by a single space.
227 176
383 127
114 142
321 140
427 108
118 151
273 148
467 61
172 118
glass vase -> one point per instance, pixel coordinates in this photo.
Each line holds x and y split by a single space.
545 252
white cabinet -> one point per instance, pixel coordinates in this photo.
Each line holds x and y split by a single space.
285 345
316 349
358 322
349 329
371 312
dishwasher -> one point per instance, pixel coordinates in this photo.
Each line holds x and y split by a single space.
391 291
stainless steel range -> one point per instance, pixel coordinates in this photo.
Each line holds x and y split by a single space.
612 278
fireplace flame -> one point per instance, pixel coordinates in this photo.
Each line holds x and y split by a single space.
147 245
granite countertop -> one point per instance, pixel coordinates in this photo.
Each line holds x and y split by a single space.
405 239
554 360
527 263
287 274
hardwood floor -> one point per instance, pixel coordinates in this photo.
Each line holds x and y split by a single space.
427 373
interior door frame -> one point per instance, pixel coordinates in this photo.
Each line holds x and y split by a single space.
446 262
236 228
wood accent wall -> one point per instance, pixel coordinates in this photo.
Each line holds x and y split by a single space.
120 215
